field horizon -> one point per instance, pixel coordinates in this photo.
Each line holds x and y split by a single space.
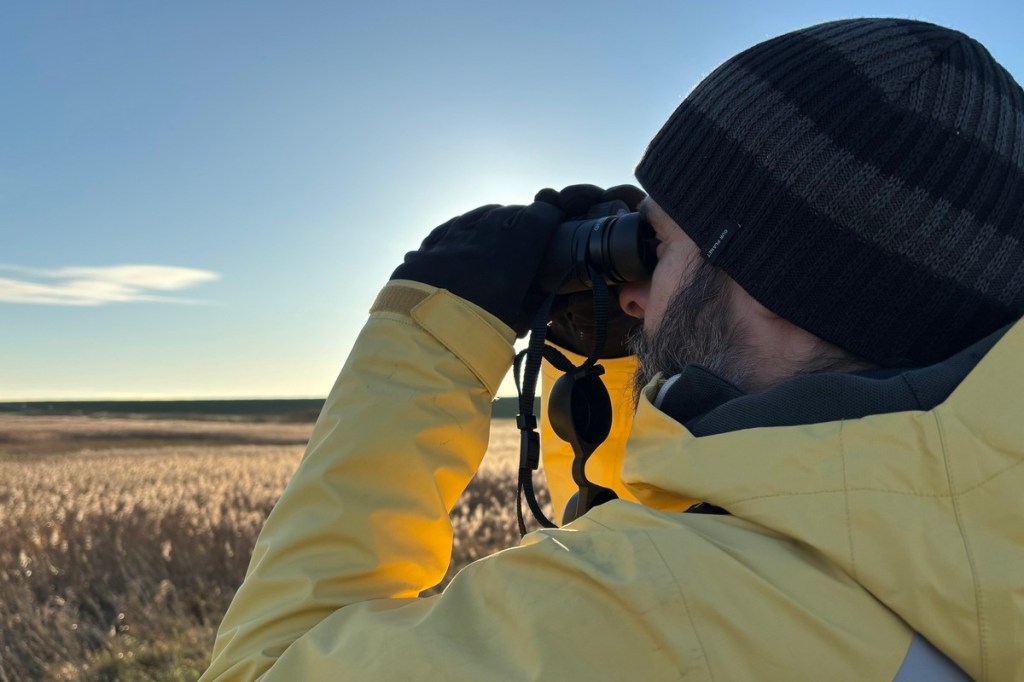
276 409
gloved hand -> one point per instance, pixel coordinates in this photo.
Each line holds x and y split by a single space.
489 257
572 317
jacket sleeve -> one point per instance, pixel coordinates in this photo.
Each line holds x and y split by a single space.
604 466
362 528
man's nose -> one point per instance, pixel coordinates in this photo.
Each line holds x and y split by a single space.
633 297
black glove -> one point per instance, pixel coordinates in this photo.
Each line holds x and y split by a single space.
489 257
572 316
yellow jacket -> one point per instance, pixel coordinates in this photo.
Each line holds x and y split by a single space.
845 538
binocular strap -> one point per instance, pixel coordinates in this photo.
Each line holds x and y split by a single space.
579 409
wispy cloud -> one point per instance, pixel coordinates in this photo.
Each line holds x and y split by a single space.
82 286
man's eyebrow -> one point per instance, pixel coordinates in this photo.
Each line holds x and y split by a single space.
644 209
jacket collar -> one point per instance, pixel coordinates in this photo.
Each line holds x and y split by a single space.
707 404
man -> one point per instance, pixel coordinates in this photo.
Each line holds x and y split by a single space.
840 221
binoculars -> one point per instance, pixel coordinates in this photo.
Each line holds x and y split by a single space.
621 247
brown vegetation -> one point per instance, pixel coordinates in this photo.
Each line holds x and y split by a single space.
124 539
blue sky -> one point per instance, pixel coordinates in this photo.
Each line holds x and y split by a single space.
201 199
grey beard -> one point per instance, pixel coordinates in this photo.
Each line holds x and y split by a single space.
696 329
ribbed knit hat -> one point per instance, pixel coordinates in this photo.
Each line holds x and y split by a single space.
863 179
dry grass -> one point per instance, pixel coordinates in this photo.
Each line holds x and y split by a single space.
124 539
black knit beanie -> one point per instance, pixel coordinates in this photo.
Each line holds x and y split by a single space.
863 179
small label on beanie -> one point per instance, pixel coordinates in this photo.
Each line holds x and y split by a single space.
726 229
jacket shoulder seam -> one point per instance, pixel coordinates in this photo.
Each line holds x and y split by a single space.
971 562
686 604
846 502
679 589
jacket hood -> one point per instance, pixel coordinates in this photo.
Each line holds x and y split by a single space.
910 483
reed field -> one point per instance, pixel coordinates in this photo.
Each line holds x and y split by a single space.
124 539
